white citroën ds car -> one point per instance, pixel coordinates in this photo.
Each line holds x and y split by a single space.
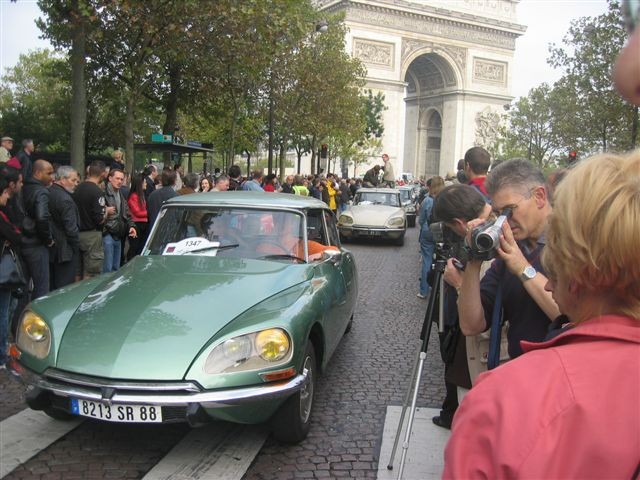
374 213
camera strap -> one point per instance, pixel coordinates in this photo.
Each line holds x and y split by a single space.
493 359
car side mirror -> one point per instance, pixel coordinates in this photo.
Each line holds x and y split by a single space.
334 256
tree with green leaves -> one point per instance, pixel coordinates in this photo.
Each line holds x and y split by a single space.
34 100
587 55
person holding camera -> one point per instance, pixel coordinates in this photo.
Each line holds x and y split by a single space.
513 288
569 407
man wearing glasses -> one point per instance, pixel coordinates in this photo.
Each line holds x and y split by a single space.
517 272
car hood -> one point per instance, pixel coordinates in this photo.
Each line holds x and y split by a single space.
150 319
373 214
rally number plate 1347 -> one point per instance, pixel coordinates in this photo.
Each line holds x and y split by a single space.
117 413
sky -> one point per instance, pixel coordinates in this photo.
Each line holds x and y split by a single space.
547 22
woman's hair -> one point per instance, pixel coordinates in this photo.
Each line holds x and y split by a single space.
594 231
137 187
458 201
437 184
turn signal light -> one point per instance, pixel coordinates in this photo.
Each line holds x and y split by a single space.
14 352
279 375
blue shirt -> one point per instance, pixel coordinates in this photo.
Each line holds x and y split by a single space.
527 321
252 185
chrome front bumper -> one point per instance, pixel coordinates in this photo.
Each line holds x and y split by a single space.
371 231
151 393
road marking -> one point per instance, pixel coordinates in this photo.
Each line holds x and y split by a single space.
26 433
219 451
425 455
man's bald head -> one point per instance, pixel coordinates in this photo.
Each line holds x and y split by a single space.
43 172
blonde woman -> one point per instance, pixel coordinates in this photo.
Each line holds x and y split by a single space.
570 407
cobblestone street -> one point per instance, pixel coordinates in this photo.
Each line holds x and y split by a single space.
369 371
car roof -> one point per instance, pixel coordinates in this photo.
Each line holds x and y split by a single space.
378 190
249 199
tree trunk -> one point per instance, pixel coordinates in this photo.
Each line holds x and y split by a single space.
171 106
128 132
79 91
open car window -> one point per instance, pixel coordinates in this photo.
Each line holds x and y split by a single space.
377 198
229 232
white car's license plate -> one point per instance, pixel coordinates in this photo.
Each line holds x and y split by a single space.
117 413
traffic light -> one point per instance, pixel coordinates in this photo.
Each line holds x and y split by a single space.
323 150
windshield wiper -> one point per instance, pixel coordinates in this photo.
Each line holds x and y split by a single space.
282 255
211 247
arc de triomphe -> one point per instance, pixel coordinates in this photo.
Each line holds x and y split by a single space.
444 67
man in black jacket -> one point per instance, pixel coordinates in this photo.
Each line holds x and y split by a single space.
161 195
24 156
37 238
65 221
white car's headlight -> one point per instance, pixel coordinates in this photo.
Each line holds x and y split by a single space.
256 350
396 221
34 336
345 220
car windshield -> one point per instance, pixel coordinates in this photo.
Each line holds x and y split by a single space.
228 232
377 198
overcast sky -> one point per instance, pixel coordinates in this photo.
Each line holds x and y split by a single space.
547 22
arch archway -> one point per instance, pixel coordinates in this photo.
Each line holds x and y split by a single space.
429 79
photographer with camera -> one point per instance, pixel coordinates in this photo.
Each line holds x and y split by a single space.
514 285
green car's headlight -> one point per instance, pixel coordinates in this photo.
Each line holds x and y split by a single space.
34 336
345 220
396 222
272 345
252 351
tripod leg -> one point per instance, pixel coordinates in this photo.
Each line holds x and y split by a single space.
405 404
414 401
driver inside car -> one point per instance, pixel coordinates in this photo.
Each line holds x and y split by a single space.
217 228
289 240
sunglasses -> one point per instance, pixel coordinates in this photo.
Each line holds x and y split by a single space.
631 14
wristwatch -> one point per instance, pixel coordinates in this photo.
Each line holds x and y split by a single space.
528 273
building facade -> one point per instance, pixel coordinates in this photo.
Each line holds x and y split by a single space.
444 67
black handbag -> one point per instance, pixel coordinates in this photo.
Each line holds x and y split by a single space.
12 275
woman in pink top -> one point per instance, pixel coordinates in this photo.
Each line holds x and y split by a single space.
570 407
138 208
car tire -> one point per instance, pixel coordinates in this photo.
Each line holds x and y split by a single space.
292 421
58 414
400 241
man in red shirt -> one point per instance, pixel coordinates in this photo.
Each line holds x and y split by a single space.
476 165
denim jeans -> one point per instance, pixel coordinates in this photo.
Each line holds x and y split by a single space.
427 247
7 304
112 248
36 258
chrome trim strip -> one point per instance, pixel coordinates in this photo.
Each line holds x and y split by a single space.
98 382
371 229
208 399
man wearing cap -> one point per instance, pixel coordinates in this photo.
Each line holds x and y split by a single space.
6 144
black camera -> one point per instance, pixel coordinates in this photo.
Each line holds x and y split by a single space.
443 234
485 238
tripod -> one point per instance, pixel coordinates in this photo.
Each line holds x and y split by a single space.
437 295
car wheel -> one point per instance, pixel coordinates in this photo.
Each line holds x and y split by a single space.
292 421
59 414
400 241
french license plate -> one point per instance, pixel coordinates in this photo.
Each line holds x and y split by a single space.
117 413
